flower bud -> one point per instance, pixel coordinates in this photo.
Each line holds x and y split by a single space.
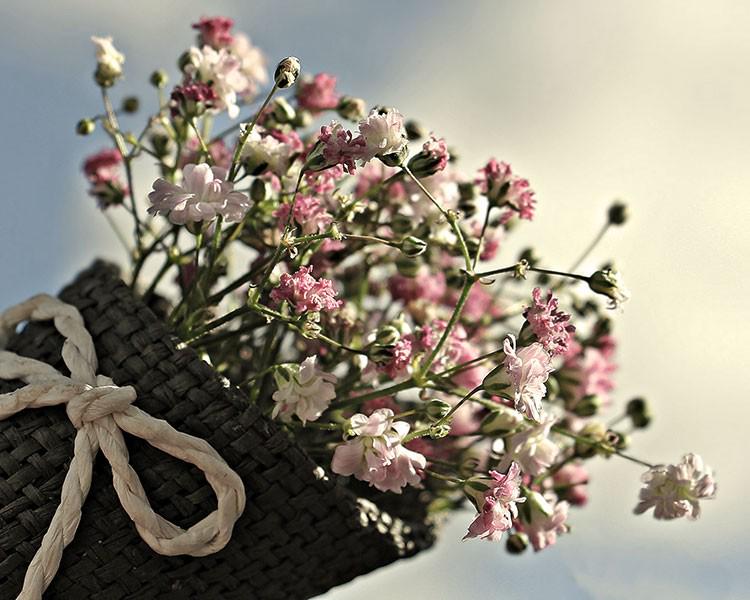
621 441
302 119
408 267
608 282
381 354
530 256
395 159
596 432
402 223
521 269
161 144
501 420
109 62
440 431
454 278
287 72
467 199
282 111
587 406
412 246
387 335
497 382
638 411
260 190
351 108
617 213
517 543
130 104
414 130
159 78
85 126
437 409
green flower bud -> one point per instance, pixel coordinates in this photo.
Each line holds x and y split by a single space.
437 409
260 190
287 72
638 411
387 335
440 431
501 420
402 223
408 267
85 127
617 213
530 256
302 119
352 109
608 282
130 104
381 354
517 543
414 130
588 406
183 61
395 159
412 246
497 382
282 111
159 78
161 144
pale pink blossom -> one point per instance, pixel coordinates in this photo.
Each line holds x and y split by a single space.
271 149
437 150
305 293
318 93
203 195
495 498
324 182
498 182
546 520
214 32
674 491
103 165
591 372
252 65
339 147
376 453
221 70
308 213
570 483
303 390
425 286
383 133
549 324
219 152
532 448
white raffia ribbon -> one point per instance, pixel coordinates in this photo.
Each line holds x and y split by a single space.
101 411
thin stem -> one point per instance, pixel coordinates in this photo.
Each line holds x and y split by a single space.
534 269
442 477
387 391
463 366
246 134
204 149
601 445
590 247
458 405
481 236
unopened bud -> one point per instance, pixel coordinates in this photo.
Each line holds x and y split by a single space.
522 267
85 126
440 431
287 72
387 335
437 409
159 78
497 382
260 190
408 267
618 213
609 283
130 104
381 354
282 111
302 119
588 406
160 144
638 411
185 59
414 130
596 432
351 108
530 256
517 543
412 246
395 159
501 420
402 223
467 195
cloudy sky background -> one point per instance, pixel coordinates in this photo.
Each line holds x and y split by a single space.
645 101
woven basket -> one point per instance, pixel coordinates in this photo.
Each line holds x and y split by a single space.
301 533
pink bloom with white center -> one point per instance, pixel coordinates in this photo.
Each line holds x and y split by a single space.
308 212
547 519
572 478
214 32
303 390
437 149
203 195
674 491
532 448
376 453
526 371
498 182
318 93
339 146
496 499
383 133
306 293
550 325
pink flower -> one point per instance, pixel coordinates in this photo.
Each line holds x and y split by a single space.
339 147
303 390
591 372
532 448
550 325
426 286
324 182
401 358
222 71
525 372
502 187
308 212
383 133
570 484
192 99
376 453
495 499
546 519
221 155
203 195
102 171
252 65
674 491
214 31
306 293
437 150
318 94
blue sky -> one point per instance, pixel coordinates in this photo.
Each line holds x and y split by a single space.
647 101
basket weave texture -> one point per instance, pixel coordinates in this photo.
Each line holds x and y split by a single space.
301 533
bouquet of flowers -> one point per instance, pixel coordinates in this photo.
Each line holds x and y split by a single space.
331 261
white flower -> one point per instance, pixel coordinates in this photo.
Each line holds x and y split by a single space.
223 71
376 453
674 490
531 448
252 64
108 58
304 390
383 133
203 195
544 520
265 149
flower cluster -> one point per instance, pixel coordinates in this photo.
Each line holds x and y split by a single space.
354 282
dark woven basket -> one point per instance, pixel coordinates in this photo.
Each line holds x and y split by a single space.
300 535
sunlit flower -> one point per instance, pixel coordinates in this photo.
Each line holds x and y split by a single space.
532 448
309 213
109 60
544 521
674 491
305 293
214 32
318 93
495 499
203 195
383 133
550 325
303 390
221 70
253 65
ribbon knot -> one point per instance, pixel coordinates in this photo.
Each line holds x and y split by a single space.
100 411
100 401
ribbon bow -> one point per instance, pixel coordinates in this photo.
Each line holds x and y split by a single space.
100 412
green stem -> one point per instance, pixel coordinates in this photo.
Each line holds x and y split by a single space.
600 445
387 391
235 166
481 236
